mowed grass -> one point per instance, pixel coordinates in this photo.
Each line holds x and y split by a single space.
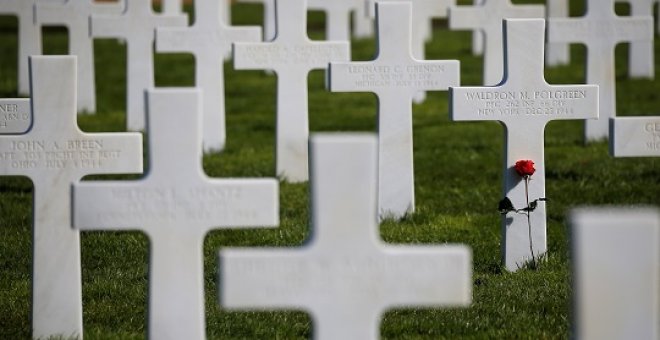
458 185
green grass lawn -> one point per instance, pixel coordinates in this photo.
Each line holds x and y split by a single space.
458 175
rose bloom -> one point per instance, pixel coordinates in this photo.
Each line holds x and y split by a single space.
525 167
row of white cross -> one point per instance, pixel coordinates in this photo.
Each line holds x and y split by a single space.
56 154
210 39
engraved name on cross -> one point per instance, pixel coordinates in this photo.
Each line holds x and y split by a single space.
15 116
345 276
176 205
74 15
600 30
524 103
488 18
54 154
292 56
395 76
137 25
209 39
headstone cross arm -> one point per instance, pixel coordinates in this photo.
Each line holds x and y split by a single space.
176 180
523 96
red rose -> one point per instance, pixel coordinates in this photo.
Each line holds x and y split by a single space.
525 167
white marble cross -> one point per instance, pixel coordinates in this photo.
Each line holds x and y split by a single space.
641 56
74 15
395 76
345 276
137 25
209 39
338 13
600 30
54 154
29 37
269 28
292 56
176 205
15 116
557 53
635 136
488 18
616 275
524 103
